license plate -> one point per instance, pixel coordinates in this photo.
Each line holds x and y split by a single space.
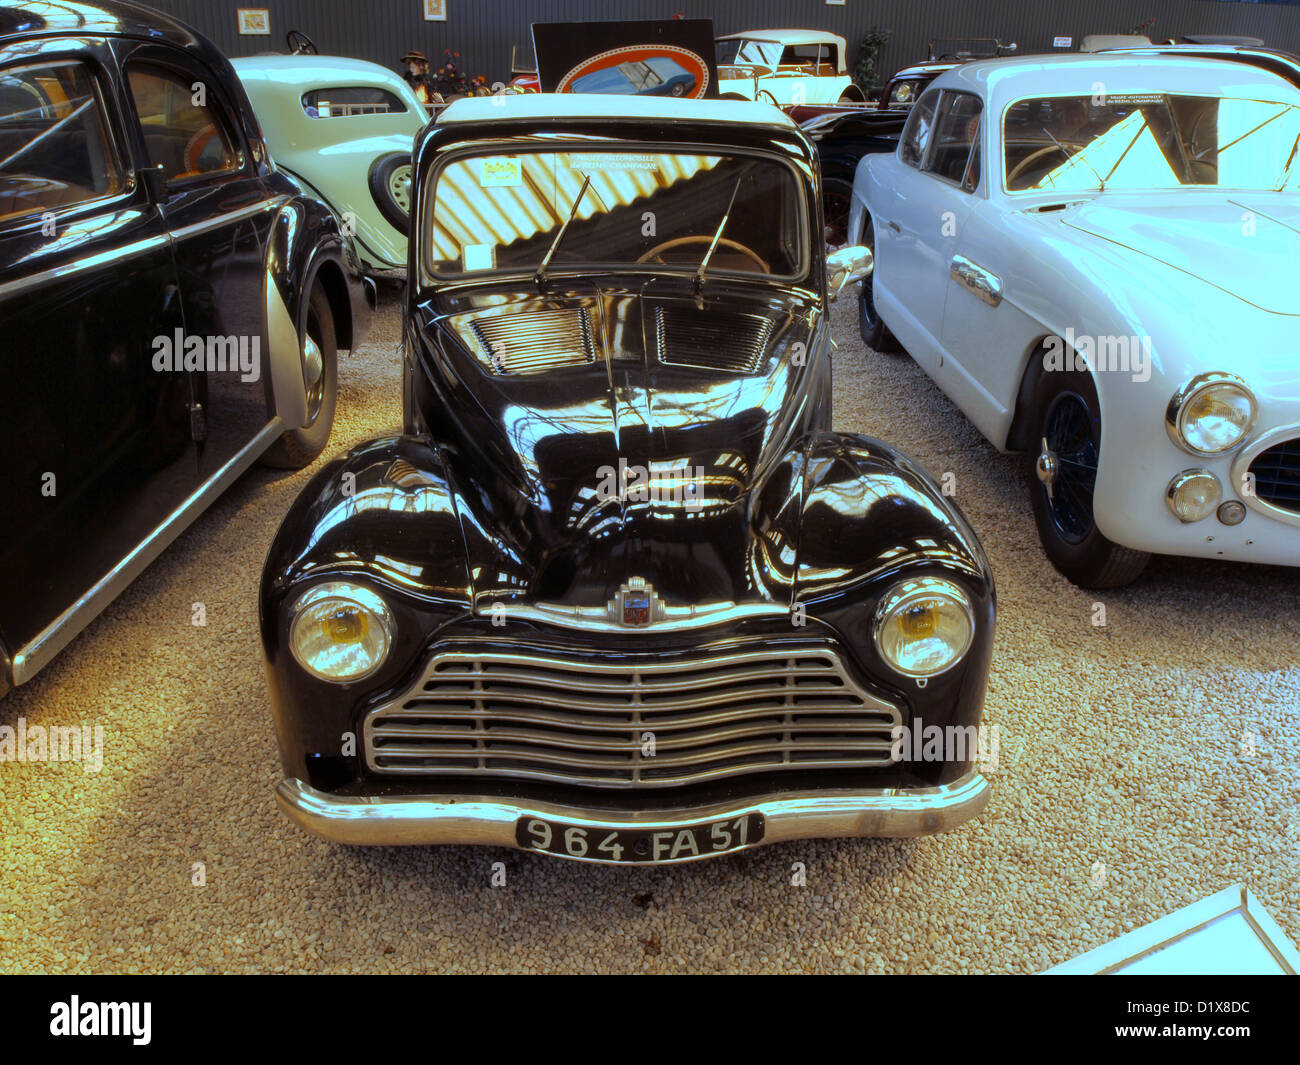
642 845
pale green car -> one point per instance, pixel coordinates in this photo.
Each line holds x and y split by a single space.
344 129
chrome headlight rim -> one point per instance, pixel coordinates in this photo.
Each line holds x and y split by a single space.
1182 399
342 591
910 590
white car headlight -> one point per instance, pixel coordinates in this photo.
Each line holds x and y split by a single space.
1194 495
1211 414
340 631
924 626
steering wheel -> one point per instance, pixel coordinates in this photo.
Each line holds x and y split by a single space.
1032 158
299 43
196 146
655 253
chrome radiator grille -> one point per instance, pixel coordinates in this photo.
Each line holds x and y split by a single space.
711 340
573 721
536 341
1277 475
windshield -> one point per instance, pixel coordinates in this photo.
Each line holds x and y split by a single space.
640 75
759 53
663 209
1150 141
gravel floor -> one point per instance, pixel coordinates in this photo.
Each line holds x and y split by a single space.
1124 788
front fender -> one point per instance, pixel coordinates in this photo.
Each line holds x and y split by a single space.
382 515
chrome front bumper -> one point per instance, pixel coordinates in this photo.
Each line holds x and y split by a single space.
422 820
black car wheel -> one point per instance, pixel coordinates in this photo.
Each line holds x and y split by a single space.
874 332
320 372
390 185
1067 444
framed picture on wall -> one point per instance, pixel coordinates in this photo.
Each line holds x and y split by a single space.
254 21
435 10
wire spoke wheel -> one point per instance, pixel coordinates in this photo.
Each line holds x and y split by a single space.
1070 448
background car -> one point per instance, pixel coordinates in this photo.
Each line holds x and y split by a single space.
1106 282
172 307
656 76
618 580
905 87
785 67
343 128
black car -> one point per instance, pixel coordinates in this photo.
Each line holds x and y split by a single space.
171 306
618 593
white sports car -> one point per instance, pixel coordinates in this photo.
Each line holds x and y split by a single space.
1095 258
786 68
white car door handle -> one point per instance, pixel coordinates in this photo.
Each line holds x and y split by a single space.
985 284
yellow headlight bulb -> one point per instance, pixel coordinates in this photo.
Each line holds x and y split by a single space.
345 624
919 621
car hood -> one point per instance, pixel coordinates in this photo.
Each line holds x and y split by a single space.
653 456
1246 245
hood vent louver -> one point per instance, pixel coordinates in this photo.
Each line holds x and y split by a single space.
711 339
536 342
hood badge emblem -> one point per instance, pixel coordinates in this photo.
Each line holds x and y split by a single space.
636 604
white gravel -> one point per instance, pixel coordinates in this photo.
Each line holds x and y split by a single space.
1125 789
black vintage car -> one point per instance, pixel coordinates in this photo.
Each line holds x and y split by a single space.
618 593
170 306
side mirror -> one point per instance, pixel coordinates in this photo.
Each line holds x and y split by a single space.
845 266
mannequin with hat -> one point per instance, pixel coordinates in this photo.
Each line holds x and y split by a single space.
417 76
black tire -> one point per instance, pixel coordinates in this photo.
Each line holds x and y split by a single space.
837 196
678 90
875 334
298 447
1067 416
386 175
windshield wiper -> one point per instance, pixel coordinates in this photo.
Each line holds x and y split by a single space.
717 236
539 277
1286 170
1101 181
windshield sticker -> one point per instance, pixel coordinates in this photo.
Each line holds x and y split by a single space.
1134 99
500 172
480 257
589 161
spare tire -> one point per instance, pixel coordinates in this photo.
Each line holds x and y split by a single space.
390 186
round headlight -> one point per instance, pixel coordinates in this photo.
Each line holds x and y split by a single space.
924 626
1211 414
340 631
903 93
1194 494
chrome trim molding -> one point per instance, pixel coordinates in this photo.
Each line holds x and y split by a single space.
229 218
983 284
1173 412
83 264
666 616
478 820
32 658
568 719
1241 466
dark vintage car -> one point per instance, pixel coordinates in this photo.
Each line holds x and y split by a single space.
171 307
906 86
618 593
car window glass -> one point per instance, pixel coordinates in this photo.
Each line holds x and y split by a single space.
502 212
182 130
916 134
346 101
1151 141
956 130
54 144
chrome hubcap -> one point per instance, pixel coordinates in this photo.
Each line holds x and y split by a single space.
1047 467
400 187
313 363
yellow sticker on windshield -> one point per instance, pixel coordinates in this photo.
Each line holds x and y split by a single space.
499 172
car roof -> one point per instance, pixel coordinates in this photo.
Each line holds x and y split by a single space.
30 18
323 70
787 36
1042 75
601 106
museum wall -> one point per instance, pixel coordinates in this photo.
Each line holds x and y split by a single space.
483 31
